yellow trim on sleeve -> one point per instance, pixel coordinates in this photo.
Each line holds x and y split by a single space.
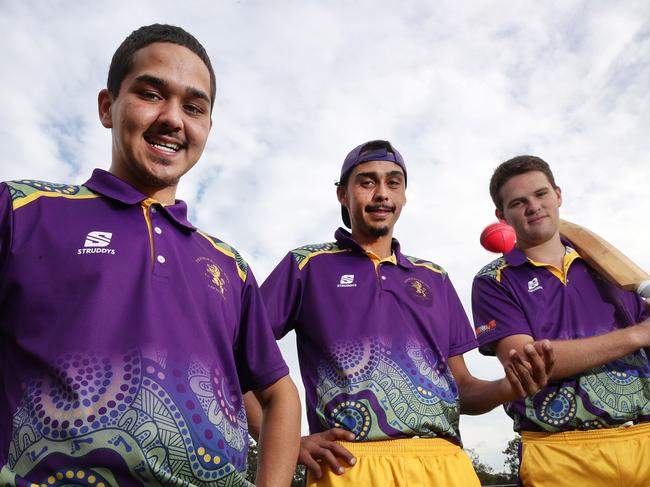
306 259
48 194
242 274
429 266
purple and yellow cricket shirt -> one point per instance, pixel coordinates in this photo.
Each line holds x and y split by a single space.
514 295
373 339
126 339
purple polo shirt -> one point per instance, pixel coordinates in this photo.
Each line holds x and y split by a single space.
372 343
513 295
126 339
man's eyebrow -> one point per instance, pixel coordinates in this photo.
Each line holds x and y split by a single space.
196 93
369 174
152 80
161 83
374 174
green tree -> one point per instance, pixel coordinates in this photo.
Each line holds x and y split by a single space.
512 456
486 474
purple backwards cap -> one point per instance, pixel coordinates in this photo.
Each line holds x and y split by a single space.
375 150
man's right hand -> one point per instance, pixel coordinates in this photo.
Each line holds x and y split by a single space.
323 447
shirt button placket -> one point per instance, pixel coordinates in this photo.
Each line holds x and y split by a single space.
158 244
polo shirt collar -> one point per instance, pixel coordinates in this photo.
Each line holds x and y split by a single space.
110 186
344 239
516 257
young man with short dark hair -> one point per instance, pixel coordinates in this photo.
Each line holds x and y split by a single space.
380 339
126 334
589 425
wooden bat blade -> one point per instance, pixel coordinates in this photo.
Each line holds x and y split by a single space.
606 259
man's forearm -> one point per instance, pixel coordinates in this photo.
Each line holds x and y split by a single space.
279 438
484 395
578 355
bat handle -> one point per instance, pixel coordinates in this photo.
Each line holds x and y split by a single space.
644 289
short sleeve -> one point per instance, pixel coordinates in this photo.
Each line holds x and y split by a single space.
258 358
496 313
461 336
282 293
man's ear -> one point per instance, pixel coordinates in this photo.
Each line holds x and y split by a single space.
558 192
342 195
105 108
499 214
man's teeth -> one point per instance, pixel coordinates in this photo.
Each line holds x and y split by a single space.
166 147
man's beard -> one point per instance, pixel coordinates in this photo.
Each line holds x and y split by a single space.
378 231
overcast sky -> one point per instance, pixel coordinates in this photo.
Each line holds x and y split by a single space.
458 87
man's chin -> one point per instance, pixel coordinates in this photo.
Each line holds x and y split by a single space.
379 231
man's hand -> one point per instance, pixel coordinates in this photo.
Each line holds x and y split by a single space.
323 447
529 375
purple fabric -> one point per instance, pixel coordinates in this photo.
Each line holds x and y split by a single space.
373 348
97 326
513 296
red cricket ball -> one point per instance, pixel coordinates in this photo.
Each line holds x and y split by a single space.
498 237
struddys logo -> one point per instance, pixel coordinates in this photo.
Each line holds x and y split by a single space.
418 291
491 325
216 277
97 242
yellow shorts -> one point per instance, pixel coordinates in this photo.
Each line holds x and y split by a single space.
420 462
612 457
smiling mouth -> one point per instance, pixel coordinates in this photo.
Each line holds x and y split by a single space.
380 209
168 147
536 219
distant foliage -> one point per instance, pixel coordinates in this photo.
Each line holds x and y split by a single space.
488 476
512 456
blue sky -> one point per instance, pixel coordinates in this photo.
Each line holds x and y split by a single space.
457 86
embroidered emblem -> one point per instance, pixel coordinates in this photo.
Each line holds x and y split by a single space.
217 277
418 291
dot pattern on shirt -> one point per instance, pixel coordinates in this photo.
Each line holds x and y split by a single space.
178 422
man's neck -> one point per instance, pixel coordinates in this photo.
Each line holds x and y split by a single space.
165 195
550 252
380 246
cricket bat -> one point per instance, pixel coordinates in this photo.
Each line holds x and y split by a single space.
606 259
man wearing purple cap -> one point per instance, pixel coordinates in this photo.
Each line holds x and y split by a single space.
127 336
380 339
590 424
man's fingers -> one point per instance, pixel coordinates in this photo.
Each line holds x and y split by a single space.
339 434
549 356
523 370
538 365
327 456
514 381
308 461
518 362
342 452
